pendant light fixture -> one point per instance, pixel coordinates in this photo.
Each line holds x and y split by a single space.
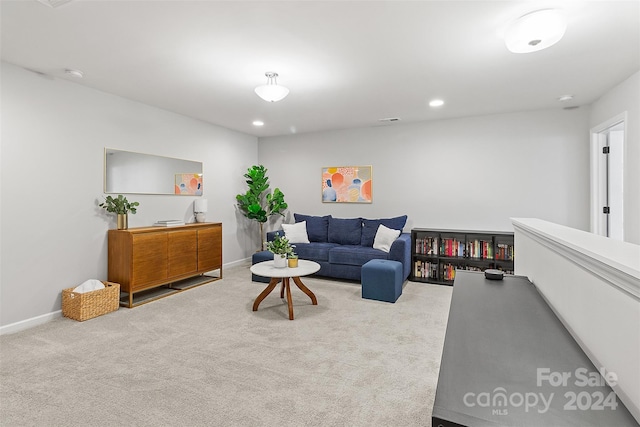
536 31
271 92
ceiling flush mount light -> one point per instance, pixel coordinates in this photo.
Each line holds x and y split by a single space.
258 123
75 73
436 103
54 3
565 98
271 92
536 31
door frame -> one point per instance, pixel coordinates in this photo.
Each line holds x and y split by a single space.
598 187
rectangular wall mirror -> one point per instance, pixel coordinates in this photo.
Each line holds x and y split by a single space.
138 173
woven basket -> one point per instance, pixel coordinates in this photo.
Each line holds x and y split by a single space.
84 306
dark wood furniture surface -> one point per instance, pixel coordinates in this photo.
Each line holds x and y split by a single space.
503 339
162 258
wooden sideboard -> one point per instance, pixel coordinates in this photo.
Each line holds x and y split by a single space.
153 262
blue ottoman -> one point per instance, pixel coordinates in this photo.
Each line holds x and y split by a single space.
382 280
259 257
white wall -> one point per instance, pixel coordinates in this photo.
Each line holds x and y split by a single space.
625 97
470 173
53 235
593 284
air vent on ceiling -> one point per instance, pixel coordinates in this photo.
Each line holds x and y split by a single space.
390 119
54 3
573 107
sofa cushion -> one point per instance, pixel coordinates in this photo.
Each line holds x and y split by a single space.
345 231
354 255
385 238
317 226
296 233
314 251
370 227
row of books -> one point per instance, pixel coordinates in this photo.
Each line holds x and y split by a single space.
424 269
427 245
452 247
504 251
448 271
445 271
481 249
435 271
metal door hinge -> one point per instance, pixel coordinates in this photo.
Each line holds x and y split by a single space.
605 210
605 150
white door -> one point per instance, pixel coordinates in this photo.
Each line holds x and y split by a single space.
607 160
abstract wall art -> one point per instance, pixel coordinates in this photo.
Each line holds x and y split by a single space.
189 184
346 184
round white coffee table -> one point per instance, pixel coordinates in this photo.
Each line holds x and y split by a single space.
266 269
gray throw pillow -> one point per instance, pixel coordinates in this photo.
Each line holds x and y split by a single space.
345 231
370 227
317 226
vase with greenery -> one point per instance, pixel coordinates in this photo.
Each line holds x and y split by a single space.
292 260
120 206
258 203
281 249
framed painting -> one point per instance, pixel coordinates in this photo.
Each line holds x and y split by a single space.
189 184
347 184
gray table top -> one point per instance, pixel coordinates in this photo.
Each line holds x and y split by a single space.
508 360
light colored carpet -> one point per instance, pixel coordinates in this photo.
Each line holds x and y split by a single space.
204 358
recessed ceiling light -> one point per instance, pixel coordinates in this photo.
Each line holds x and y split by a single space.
75 73
436 103
565 98
258 123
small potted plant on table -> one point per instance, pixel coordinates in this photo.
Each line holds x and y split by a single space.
120 206
281 248
292 260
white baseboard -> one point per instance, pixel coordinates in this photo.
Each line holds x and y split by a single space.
42 319
29 323
236 263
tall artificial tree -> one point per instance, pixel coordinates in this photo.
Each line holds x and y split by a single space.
258 203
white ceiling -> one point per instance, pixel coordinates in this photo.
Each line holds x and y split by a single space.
347 63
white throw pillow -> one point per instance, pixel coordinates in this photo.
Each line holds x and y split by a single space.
296 233
384 238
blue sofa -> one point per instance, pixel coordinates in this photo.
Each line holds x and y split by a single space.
343 245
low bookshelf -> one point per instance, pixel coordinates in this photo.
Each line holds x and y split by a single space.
436 254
